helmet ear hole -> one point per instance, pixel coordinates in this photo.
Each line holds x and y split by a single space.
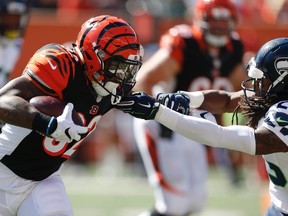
100 53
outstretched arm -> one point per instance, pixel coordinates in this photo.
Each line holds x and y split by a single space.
214 101
235 137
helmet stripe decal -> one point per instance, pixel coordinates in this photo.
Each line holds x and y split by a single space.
110 26
88 29
129 46
84 35
118 36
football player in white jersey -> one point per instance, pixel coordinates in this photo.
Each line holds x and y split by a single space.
13 21
205 55
264 101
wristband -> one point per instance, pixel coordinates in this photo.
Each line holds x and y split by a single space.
51 126
196 98
44 124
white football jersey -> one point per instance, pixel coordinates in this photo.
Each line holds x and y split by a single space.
276 120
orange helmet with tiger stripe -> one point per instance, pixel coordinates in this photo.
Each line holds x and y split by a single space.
111 53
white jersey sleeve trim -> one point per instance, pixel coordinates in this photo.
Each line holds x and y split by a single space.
235 137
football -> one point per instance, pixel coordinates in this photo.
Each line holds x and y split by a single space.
52 106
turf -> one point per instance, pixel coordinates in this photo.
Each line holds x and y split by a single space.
93 193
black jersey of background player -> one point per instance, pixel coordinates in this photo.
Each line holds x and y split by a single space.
200 69
59 73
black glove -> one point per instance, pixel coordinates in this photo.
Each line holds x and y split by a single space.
178 102
139 105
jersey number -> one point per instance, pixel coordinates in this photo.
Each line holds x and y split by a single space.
277 177
55 149
203 83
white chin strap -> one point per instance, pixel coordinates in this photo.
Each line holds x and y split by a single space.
107 89
217 41
115 99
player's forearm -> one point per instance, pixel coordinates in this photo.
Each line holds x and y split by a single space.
14 106
239 138
15 110
143 86
218 102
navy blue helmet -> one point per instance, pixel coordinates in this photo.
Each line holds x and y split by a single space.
270 62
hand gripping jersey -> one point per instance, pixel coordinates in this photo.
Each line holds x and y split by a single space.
57 71
276 120
200 69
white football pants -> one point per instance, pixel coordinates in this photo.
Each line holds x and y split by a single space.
23 197
176 167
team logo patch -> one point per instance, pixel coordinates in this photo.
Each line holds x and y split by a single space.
51 64
281 119
202 114
281 65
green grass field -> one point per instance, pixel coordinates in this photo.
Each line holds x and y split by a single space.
118 193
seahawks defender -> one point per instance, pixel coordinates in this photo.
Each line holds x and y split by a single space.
264 102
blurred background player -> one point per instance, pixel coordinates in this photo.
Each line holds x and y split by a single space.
13 22
205 55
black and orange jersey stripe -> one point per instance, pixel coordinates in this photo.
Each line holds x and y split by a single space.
57 71
51 67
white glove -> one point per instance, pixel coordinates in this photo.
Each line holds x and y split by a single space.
66 130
